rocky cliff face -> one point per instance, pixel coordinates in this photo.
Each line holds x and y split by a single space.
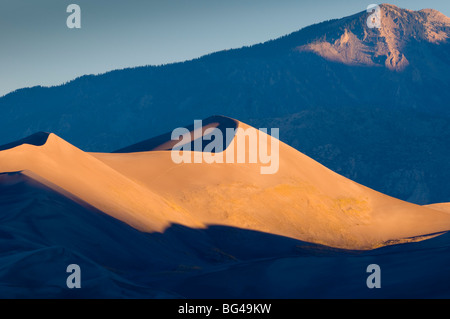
384 38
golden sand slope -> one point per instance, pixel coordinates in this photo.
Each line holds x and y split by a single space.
303 200
81 176
443 207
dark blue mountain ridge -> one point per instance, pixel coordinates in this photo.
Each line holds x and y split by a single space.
370 104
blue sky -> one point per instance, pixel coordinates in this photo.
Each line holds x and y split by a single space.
38 48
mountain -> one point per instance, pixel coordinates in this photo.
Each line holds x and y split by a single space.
387 44
370 104
141 225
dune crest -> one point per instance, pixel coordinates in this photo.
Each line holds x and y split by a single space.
443 207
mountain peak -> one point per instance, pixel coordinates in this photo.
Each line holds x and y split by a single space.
380 37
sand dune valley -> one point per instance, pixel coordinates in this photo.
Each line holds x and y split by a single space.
141 225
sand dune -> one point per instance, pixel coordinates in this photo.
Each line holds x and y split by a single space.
164 142
443 207
82 177
303 200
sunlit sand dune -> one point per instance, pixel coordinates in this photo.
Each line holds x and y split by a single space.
82 177
149 191
443 207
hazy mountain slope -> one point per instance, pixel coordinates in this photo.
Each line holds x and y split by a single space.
383 39
406 150
275 80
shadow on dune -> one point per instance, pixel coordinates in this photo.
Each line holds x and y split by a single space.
37 139
164 142
42 232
